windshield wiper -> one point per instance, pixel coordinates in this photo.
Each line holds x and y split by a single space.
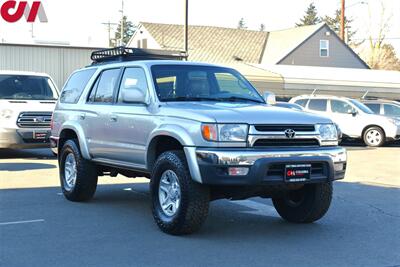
236 98
186 98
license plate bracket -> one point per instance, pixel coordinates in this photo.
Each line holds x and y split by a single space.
40 135
297 172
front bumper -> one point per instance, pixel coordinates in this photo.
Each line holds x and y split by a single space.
266 166
24 138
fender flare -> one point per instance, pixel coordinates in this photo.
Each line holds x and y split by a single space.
81 137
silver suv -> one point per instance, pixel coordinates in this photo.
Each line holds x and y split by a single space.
199 132
355 119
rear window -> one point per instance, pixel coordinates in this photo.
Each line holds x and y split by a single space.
26 87
301 102
318 104
74 87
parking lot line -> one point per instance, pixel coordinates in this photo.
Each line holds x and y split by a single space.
21 222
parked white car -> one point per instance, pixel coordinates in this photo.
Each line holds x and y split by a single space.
354 118
27 101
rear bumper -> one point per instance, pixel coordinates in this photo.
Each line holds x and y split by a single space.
265 167
24 138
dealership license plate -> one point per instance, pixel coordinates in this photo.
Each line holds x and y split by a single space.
39 135
297 172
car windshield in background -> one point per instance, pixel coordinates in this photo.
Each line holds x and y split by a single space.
361 106
26 87
202 83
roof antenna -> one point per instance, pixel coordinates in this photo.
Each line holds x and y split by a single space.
365 95
313 92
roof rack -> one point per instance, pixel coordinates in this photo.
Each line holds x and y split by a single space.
122 53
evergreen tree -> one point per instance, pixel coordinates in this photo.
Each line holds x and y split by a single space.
129 30
310 18
334 23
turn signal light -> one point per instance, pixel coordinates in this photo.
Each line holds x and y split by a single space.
209 132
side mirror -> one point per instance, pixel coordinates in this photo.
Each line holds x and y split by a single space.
353 112
133 95
269 98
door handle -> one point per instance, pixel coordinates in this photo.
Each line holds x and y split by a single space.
113 118
82 116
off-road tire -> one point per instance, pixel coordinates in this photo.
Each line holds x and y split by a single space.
195 198
378 130
86 179
312 207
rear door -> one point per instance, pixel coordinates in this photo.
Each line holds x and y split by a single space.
98 122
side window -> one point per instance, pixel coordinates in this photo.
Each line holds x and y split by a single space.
376 108
324 48
134 78
317 104
338 106
301 102
103 90
75 85
392 110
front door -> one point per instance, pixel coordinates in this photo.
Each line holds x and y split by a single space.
132 123
345 115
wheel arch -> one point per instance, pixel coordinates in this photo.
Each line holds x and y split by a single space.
370 126
69 131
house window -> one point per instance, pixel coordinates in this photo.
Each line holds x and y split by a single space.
324 48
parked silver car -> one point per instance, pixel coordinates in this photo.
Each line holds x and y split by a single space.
354 118
200 132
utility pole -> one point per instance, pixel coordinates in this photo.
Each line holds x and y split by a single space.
186 25
122 23
109 24
342 20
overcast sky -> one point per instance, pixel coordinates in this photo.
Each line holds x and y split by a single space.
80 22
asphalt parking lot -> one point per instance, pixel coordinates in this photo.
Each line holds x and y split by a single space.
38 227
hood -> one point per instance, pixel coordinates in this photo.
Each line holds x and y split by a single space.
222 112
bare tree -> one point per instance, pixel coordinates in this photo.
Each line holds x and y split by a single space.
377 50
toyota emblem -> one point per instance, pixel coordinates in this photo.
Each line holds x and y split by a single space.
290 133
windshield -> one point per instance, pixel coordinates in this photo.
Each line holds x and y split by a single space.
202 83
24 87
361 106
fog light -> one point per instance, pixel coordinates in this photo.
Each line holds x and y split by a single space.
238 171
339 167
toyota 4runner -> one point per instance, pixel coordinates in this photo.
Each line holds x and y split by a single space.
199 132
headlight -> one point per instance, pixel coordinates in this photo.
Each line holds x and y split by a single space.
395 122
225 132
327 132
6 114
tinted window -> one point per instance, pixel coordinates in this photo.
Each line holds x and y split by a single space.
75 85
104 87
301 102
134 78
26 87
198 83
392 110
376 108
338 106
317 104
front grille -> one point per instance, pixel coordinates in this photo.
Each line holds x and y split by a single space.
286 142
318 169
34 120
283 127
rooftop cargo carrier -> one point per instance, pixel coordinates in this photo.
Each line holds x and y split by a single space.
122 53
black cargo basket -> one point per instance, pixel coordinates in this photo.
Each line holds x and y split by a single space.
122 53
